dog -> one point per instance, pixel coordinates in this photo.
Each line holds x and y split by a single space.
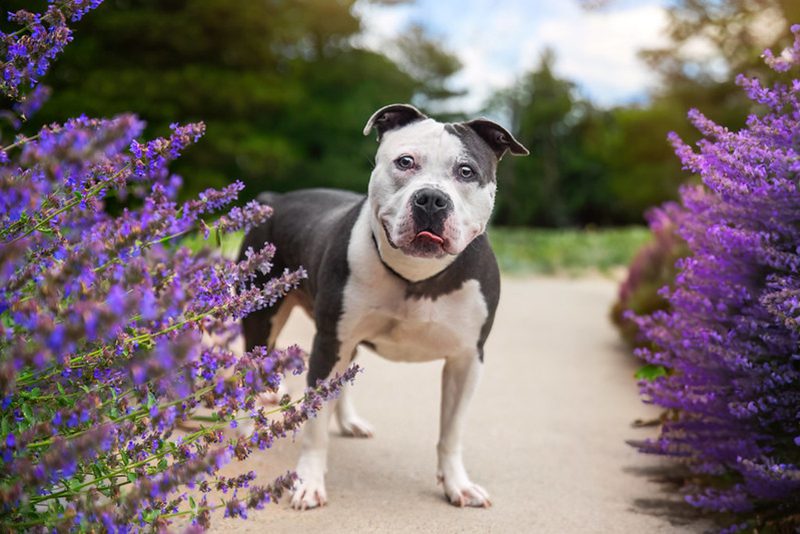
406 270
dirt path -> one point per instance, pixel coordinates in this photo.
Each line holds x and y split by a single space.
546 435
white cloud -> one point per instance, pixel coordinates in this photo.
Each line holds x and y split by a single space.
497 42
598 49
381 23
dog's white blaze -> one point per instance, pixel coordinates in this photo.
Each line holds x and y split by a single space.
376 309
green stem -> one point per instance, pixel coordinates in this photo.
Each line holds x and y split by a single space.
69 205
133 415
117 473
25 378
197 510
191 438
20 142
146 245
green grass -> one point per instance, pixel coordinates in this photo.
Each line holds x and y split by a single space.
527 250
565 251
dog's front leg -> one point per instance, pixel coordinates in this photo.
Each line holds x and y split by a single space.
460 377
312 464
324 362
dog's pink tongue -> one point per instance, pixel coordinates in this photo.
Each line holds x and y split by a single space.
430 235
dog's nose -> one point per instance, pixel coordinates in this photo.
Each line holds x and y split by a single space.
431 200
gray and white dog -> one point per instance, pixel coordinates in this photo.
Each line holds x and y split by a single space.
406 270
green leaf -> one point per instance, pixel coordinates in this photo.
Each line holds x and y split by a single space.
650 372
131 477
150 515
26 411
60 388
151 400
218 236
6 320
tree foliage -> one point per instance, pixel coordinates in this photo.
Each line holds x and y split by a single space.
280 84
587 165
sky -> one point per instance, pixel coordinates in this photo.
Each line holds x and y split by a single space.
499 40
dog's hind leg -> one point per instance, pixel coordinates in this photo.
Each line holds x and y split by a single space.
262 327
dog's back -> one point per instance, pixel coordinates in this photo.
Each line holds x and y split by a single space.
294 230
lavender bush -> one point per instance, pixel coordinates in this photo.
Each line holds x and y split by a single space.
111 333
652 268
730 339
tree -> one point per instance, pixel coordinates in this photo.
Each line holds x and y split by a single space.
561 182
427 61
283 90
709 41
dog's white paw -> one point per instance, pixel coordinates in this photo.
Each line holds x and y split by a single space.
355 427
309 494
463 493
310 489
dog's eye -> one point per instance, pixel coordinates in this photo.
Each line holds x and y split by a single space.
404 163
466 172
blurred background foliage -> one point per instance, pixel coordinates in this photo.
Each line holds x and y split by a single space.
279 83
285 90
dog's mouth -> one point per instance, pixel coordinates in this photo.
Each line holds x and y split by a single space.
427 244
424 244
428 236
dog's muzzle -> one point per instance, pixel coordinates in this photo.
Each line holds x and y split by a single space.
429 210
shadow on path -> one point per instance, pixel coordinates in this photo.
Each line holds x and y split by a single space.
669 505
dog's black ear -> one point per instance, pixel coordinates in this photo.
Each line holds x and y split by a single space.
497 138
393 116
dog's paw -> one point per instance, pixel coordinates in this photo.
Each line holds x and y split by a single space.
465 493
355 427
309 494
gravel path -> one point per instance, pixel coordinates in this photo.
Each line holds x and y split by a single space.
546 435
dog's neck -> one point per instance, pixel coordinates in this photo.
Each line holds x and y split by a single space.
408 267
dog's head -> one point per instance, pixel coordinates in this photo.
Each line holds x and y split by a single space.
433 186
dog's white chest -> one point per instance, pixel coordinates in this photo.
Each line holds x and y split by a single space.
377 310
423 329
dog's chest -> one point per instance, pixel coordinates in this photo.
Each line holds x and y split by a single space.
377 309
415 329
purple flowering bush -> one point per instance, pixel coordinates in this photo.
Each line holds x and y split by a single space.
652 268
112 334
730 340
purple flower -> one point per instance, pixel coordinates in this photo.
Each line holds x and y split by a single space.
728 339
27 54
112 332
